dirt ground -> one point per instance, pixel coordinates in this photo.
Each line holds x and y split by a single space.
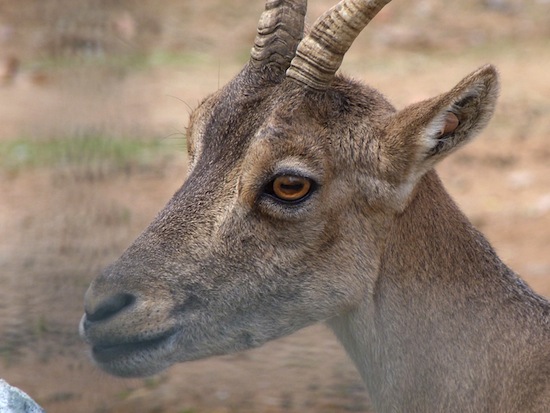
60 223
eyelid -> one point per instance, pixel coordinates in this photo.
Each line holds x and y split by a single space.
287 170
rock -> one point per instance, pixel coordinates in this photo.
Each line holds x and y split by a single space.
13 400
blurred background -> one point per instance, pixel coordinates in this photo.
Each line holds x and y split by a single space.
94 100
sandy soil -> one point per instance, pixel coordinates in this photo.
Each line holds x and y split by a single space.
59 225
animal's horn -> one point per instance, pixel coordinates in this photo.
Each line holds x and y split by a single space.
320 53
280 29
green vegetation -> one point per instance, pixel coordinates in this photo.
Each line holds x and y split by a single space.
125 62
125 394
87 151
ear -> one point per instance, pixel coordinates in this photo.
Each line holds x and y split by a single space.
426 132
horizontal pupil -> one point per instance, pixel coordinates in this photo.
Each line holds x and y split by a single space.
292 188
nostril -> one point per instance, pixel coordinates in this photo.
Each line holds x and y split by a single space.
110 307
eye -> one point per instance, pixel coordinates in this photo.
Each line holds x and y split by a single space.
290 188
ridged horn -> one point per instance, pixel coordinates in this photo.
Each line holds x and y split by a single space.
320 53
280 29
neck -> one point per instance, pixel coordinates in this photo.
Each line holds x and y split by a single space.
446 320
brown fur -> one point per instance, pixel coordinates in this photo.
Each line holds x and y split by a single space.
430 315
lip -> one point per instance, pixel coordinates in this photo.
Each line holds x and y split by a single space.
107 353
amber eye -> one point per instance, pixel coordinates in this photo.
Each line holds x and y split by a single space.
290 188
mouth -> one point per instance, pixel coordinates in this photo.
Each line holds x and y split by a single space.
110 353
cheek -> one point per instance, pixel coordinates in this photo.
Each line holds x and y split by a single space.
348 255
309 271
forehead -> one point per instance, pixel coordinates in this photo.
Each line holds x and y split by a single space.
240 114
226 122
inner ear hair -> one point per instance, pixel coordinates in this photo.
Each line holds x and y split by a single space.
463 112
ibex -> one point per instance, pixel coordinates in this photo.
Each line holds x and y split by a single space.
311 198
